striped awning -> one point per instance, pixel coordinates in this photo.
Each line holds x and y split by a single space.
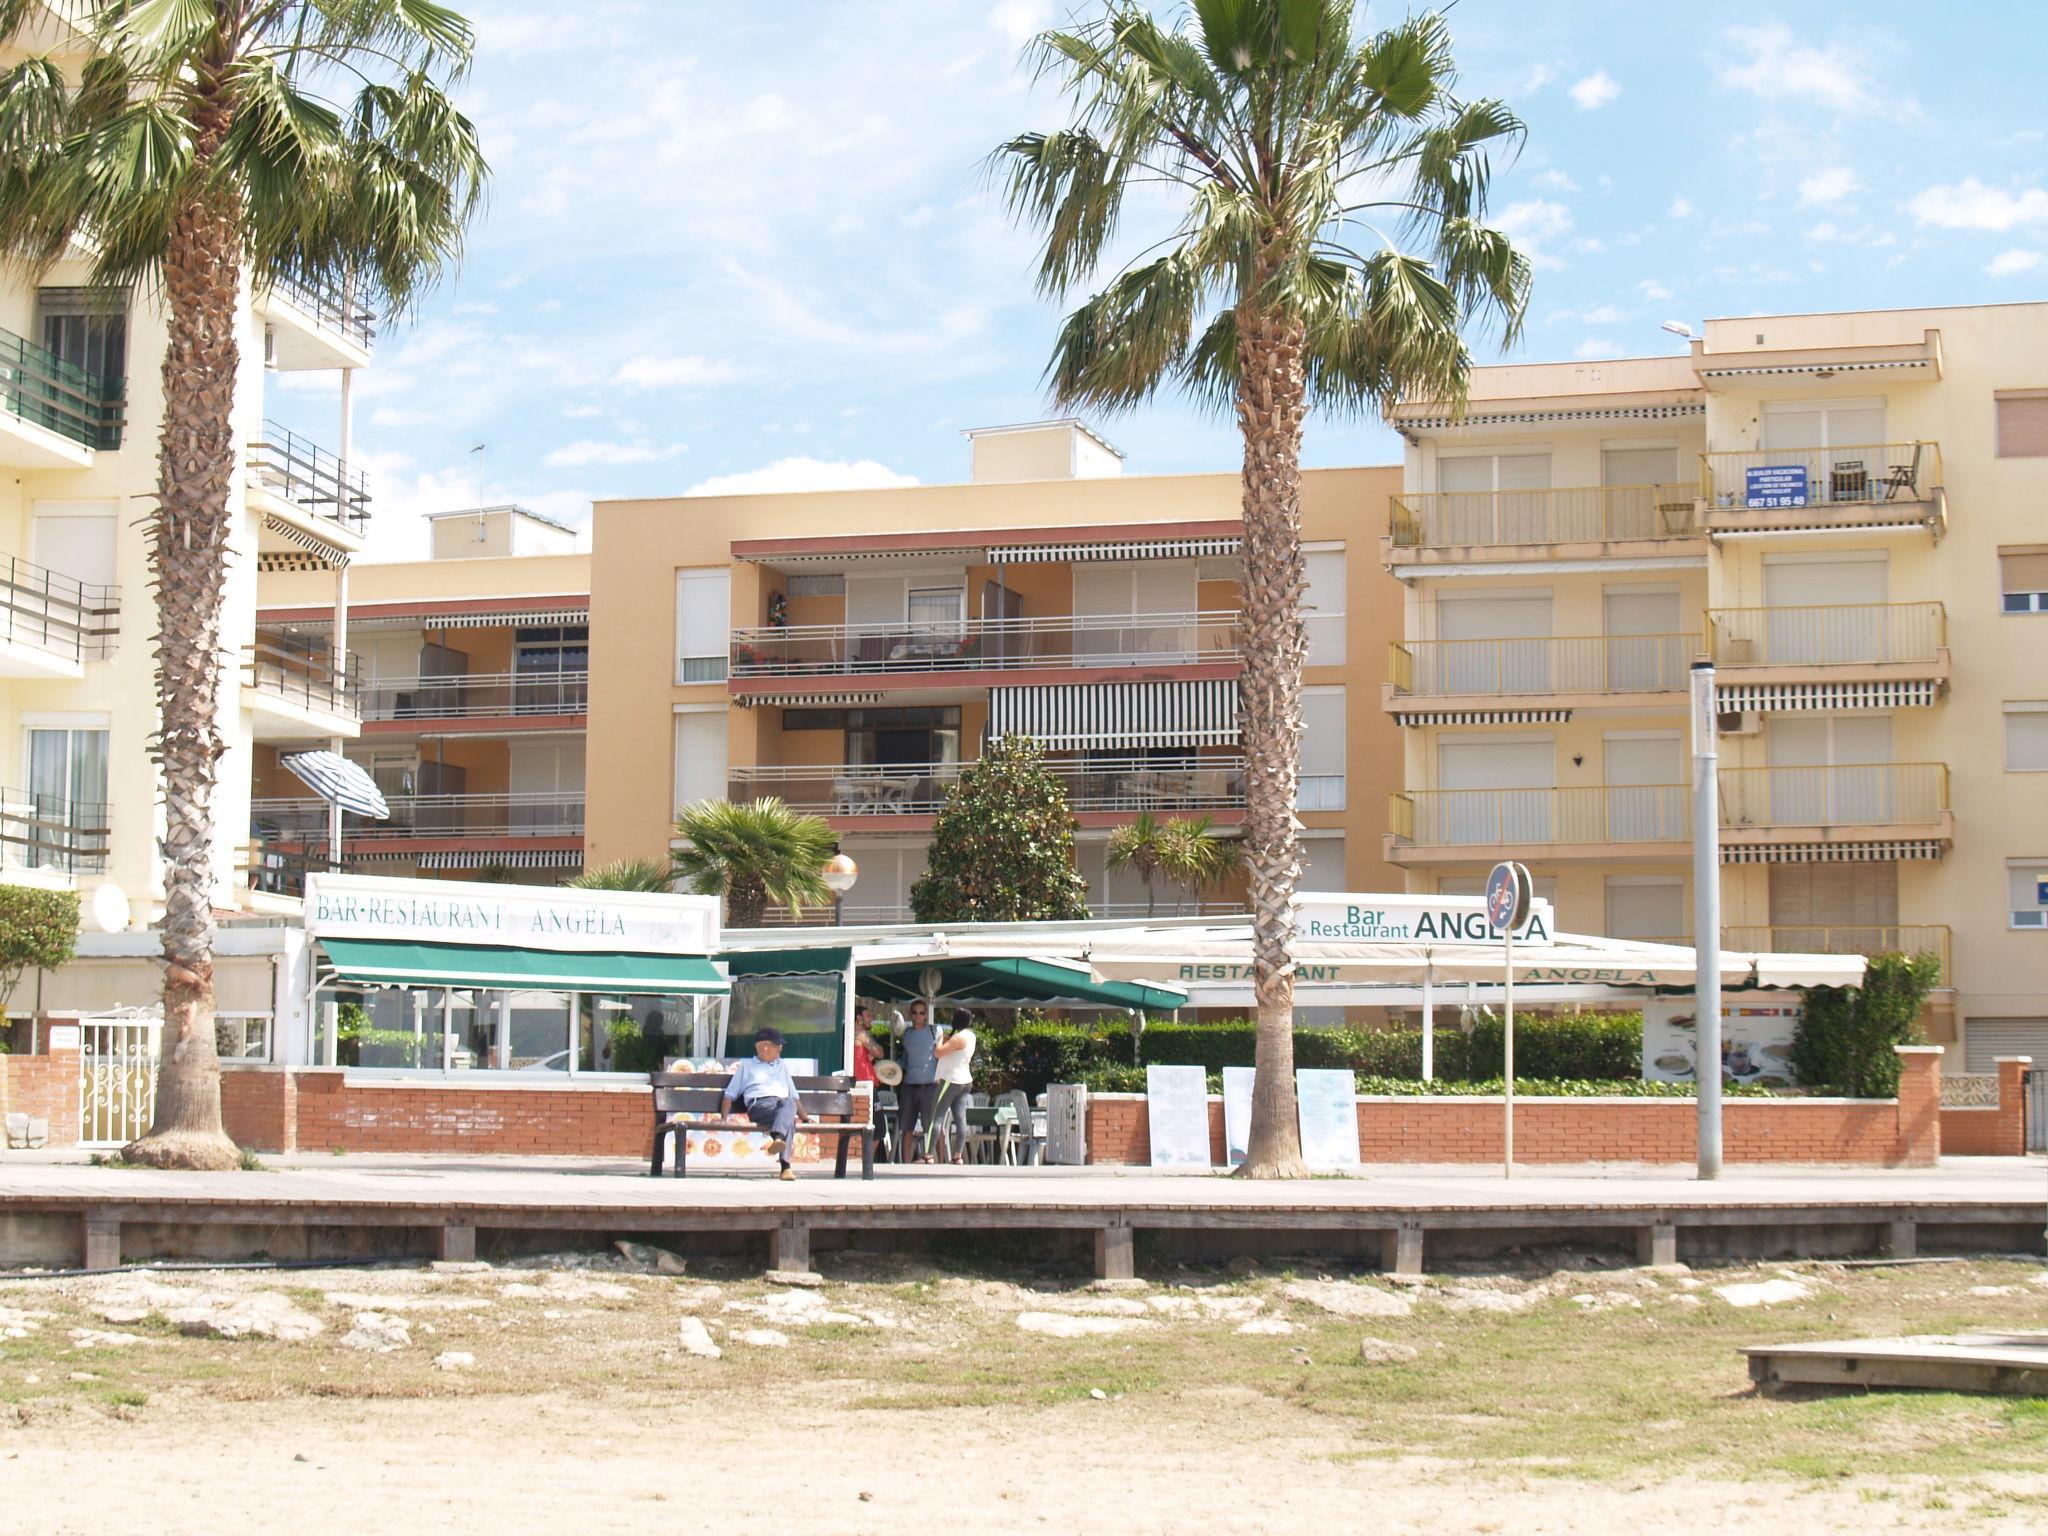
1482 716
1196 713
1909 694
511 858
1891 852
804 700
1130 549
331 553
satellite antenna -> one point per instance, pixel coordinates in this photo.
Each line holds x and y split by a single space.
110 908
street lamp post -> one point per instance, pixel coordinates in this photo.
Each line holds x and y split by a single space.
1706 918
840 873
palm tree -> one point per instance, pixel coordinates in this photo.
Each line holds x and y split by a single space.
626 875
1329 248
1139 845
1196 858
206 141
753 855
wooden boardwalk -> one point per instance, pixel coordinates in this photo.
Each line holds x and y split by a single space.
456 1197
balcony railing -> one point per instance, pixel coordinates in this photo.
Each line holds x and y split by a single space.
1828 634
919 789
458 695
309 477
1579 514
1847 939
1842 795
71 620
973 645
43 389
304 675
1571 664
1788 479
49 832
340 307
1629 813
548 813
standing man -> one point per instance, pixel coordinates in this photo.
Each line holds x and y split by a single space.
917 1099
764 1088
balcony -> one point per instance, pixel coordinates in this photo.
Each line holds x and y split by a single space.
298 693
51 625
53 414
1449 527
1100 790
317 324
1561 674
1843 655
1860 487
1610 823
48 832
294 479
923 655
457 818
1791 815
552 700
1848 939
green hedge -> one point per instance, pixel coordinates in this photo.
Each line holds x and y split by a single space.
1129 1079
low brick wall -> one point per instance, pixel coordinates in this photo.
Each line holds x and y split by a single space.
43 1088
1998 1130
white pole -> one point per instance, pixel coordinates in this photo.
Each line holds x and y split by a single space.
1428 1022
447 1029
502 1045
1507 944
1706 917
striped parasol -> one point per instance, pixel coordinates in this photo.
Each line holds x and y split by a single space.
334 778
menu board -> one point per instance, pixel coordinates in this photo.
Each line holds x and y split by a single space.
1756 1037
1177 1114
1329 1117
1237 1111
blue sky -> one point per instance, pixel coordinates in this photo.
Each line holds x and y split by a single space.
752 246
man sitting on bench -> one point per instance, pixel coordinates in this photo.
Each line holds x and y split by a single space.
766 1091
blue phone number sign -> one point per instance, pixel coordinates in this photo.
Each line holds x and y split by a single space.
1766 486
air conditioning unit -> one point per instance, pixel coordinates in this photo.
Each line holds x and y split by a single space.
1740 722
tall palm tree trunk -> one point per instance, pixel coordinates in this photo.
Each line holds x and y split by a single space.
746 901
1272 401
189 538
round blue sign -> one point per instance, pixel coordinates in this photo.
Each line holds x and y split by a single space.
1504 899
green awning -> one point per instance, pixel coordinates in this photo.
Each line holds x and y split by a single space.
399 963
1014 981
787 962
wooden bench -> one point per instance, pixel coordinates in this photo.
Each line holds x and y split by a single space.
703 1094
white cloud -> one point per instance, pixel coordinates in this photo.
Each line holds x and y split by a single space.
2010 263
1594 348
1682 207
1538 76
804 473
1556 179
582 412
1772 64
589 450
1653 292
1603 314
1533 221
1969 204
1018 20
1596 90
673 373
1829 185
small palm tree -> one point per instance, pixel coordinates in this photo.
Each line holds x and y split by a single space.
204 142
626 875
1141 846
1196 858
1328 247
752 855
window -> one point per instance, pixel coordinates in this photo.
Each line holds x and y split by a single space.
703 624
77 539
816 584
2023 579
2028 893
1322 750
1322 865
1648 907
1639 464
67 790
242 1036
68 765
2026 738
2022 423
700 755
87 328
1324 602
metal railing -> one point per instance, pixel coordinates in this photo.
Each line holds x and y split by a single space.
1827 634
304 675
72 620
1846 939
43 389
1786 479
1570 515
309 477
544 813
1841 795
456 695
919 789
279 870
1627 813
50 832
973 645
1546 664
342 307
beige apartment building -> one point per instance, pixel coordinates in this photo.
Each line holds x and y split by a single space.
1842 512
850 651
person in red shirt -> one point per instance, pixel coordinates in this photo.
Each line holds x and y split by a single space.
865 1047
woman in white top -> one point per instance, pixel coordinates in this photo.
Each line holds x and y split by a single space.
956 1076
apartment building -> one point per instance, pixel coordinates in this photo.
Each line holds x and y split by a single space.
850 652
470 671
1840 510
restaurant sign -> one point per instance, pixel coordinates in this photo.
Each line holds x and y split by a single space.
1424 920
549 918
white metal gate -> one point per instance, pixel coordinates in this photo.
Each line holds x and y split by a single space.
117 1077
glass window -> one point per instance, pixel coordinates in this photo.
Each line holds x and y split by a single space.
87 328
700 755
703 624
2023 580
2027 894
2026 738
1324 605
242 1037
1322 750
2022 423
805 1008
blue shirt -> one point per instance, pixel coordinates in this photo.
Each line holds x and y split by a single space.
920 1053
758 1079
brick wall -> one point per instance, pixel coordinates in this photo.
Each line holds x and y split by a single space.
1992 1132
257 1107
43 1088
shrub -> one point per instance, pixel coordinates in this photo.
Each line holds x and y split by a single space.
1002 848
1038 1052
1846 1035
38 928
354 1034
1607 1047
